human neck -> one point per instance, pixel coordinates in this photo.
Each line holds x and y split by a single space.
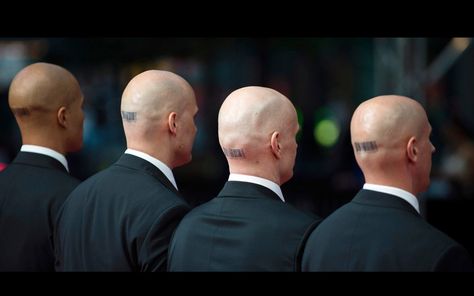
48 141
258 171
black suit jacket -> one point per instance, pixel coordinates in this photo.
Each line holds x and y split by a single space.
120 219
381 232
32 189
245 228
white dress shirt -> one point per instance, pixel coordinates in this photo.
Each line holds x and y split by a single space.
160 165
405 195
46 151
260 181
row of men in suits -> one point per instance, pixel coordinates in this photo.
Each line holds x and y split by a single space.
131 217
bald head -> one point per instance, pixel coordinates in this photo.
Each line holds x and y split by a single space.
385 122
158 109
42 87
152 95
390 134
47 101
254 120
252 113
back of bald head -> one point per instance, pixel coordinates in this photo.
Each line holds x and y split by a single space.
382 126
249 116
150 97
40 88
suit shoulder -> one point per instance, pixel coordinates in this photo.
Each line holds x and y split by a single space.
289 211
435 234
69 180
137 190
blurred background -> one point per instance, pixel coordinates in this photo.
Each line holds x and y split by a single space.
325 78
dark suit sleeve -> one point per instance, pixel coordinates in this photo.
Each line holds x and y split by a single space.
455 258
299 255
55 242
154 251
53 216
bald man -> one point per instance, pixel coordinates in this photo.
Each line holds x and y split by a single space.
381 228
121 219
47 103
249 226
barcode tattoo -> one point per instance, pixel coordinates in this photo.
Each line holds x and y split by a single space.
21 111
234 153
129 116
366 146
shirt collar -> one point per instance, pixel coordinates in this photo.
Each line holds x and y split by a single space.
46 151
260 181
160 165
403 194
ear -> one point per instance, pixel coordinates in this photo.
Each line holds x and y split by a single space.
61 115
172 123
412 150
275 144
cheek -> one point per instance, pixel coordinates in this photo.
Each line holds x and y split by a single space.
295 147
81 118
193 130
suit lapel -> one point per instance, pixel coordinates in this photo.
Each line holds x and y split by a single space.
246 189
39 160
137 163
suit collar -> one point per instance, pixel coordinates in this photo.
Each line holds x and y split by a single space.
245 189
403 194
137 163
380 199
258 180
46 151
39 160
156 162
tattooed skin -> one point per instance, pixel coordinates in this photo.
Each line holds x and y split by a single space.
366 146
21 111
129 116
234 152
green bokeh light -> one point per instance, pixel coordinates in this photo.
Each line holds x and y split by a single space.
326 132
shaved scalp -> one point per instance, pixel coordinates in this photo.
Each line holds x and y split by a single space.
381 128
156 109
39 88
385 121
249 116
153 94
47 102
